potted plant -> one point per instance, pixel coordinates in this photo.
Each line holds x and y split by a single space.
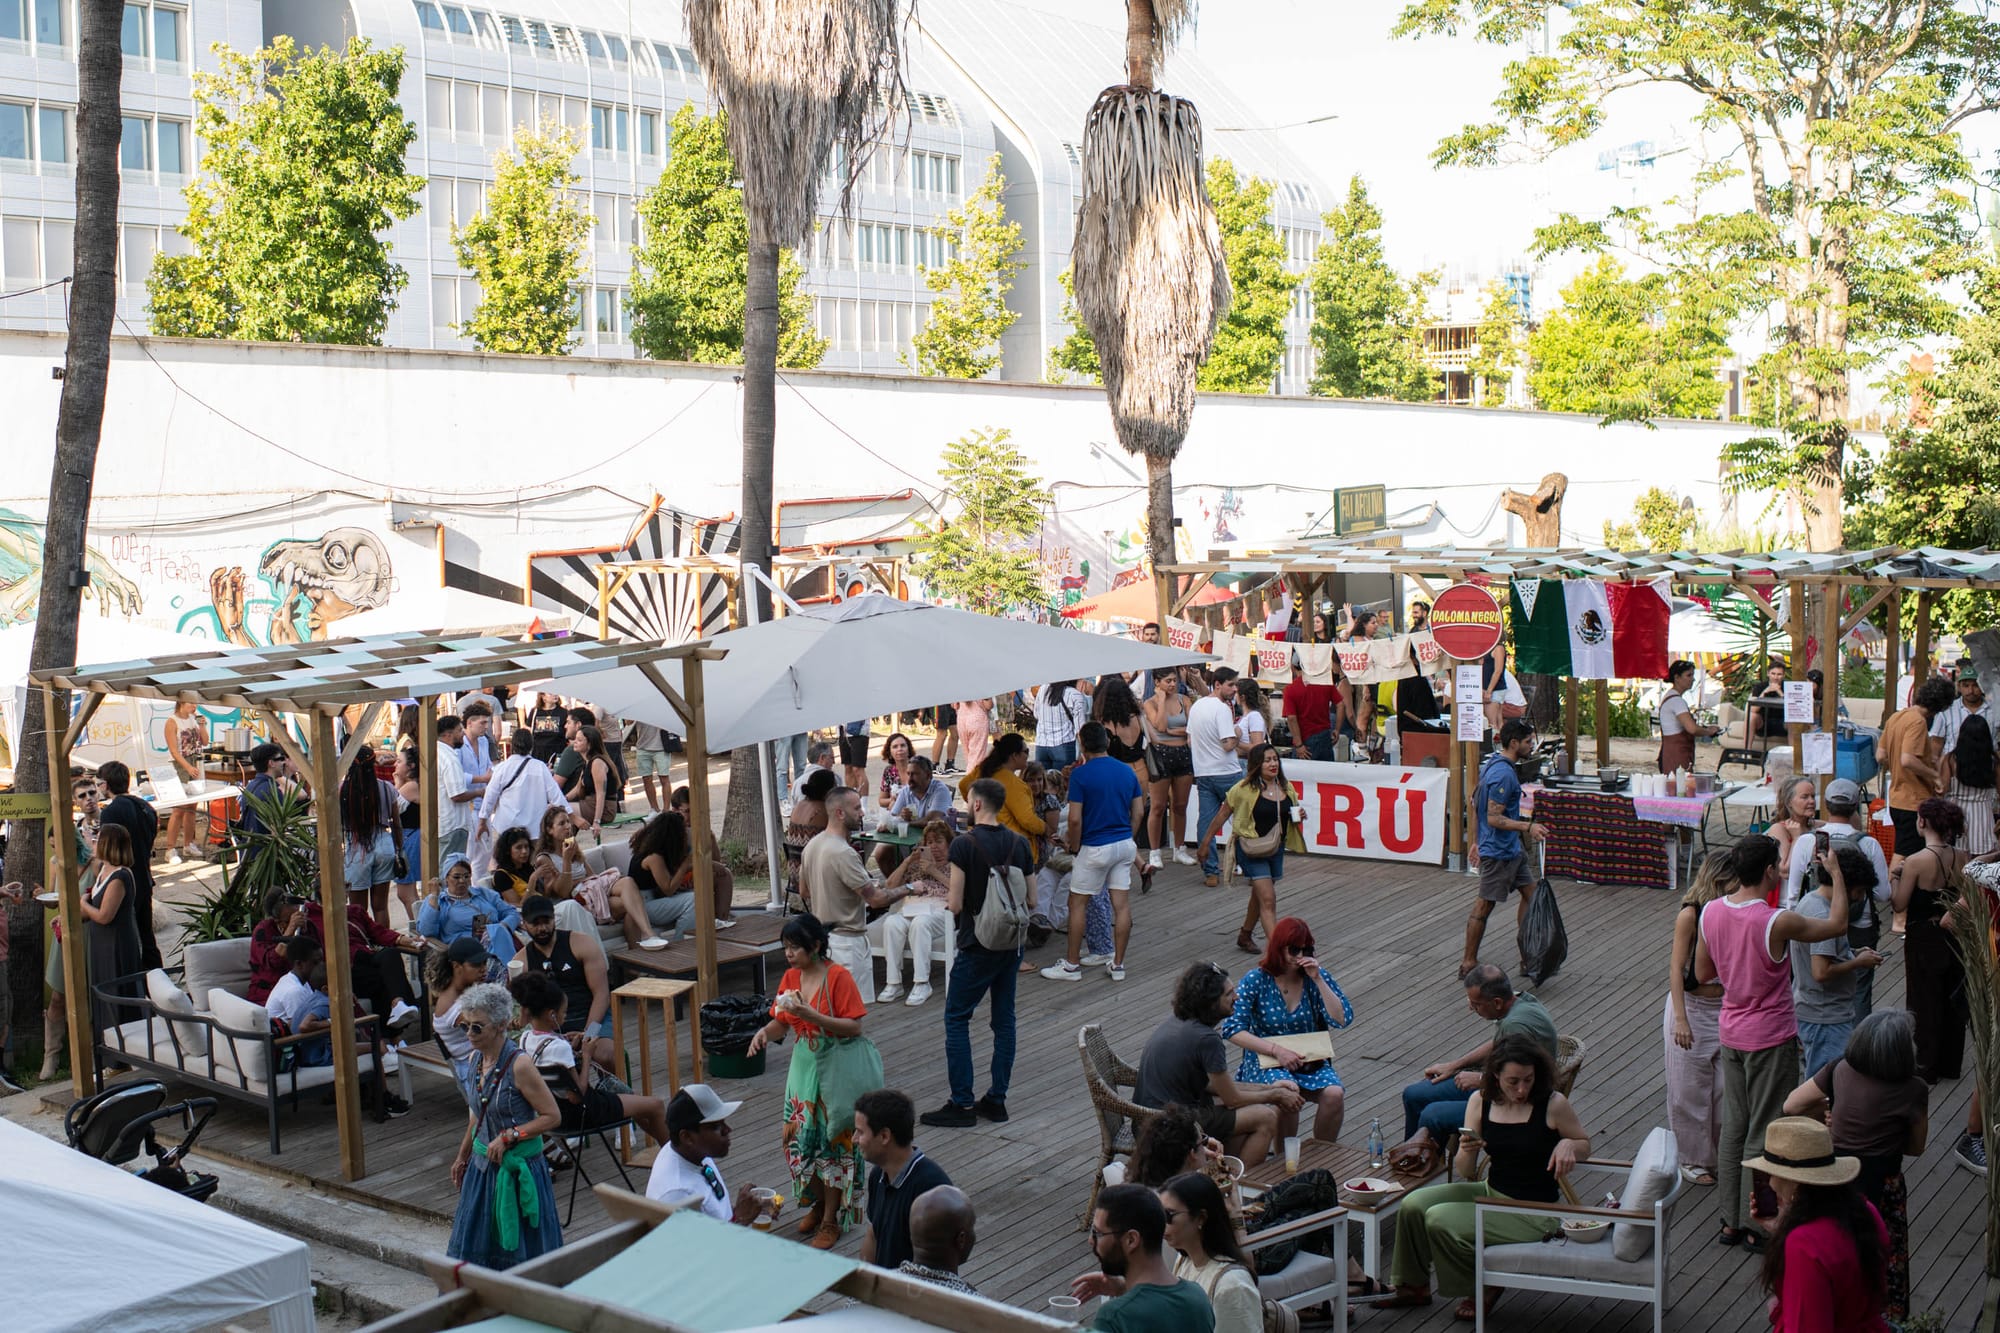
281 855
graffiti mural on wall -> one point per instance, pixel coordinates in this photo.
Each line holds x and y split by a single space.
21 574
310 583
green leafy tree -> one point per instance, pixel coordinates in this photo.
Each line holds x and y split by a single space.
1367 321
977 554
1940 486
690 272
1627 349
1661 521
1500 351
1843 202
961 339
526 249
1075 357
302 172
1250 345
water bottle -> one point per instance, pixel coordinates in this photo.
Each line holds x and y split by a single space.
1377 1154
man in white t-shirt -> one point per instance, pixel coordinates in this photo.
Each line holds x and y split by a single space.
1846 821
454 793
1212 745
697 1135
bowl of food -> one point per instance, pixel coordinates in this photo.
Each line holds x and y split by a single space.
1585 1230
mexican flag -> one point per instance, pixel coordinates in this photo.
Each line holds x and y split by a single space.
1590 629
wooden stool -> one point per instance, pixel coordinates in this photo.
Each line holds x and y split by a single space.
666 992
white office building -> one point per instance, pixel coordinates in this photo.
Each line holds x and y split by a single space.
984 79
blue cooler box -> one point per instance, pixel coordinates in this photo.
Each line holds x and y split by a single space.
1854 758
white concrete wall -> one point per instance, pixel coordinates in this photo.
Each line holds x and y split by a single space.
212 451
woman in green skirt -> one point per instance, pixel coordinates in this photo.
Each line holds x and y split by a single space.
831 1066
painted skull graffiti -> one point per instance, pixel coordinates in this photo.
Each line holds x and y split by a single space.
328 578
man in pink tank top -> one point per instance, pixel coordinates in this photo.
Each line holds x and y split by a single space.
1743 943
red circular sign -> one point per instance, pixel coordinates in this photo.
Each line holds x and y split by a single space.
1465 621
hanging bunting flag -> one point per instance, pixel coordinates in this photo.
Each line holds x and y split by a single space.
1541 628
1639 616
1525 591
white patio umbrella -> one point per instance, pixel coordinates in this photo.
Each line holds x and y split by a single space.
864 657
859 658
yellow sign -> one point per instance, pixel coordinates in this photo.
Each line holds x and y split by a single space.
24 805
1358 509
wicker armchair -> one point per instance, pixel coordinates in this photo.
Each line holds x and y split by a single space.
1570 1052
1118 1117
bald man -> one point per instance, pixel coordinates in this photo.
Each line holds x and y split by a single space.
940 1237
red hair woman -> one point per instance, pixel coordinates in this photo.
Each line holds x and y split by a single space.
1289 994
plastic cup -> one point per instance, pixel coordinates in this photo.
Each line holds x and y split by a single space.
1066 1308
1291 1156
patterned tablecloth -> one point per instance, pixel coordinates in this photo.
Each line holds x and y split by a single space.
1598 837
1684 811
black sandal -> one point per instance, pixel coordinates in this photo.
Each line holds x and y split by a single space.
1370 1289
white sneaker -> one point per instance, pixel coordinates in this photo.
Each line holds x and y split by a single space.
889 995
1094 960
174 857
1153 858
1118 971
720 924
401 1013
1063 971
1182 858
918 994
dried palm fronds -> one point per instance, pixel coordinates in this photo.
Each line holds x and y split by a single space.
1151 285
798 77
1972 926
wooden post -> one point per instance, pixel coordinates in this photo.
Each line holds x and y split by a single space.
1920 658
1603 723
1797 621
427 795
1454 795
60 829
1829 668
704 876
325 756
1892 656
1571 700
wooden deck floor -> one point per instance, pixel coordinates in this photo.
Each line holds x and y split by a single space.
1392 934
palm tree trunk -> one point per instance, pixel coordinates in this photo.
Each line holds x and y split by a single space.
1160 518
743 817
79 425
1139 43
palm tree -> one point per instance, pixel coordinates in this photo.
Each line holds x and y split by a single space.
1151 284
798 79
1972 926
79 424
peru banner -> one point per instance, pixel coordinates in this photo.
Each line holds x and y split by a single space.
1371 810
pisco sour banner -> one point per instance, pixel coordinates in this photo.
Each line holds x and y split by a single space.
1375 811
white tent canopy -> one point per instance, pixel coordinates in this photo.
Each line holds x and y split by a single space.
864 657
116 1253
98 639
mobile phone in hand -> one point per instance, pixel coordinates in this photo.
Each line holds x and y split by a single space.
1822 841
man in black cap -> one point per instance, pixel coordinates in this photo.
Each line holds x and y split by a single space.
574 959
268 766
697 1136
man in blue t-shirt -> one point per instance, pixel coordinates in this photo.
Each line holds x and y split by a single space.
1105 803
1503 857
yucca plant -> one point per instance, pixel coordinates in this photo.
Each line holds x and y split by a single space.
282 854
1972 923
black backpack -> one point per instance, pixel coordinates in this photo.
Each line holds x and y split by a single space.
1972 759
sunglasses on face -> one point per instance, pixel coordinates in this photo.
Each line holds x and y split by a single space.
1300 950
471 1029
1172 1213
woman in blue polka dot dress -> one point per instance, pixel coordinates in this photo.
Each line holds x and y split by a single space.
1285 995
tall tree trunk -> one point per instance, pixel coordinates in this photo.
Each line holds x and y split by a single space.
1160 520
743 819
1139 43
79 424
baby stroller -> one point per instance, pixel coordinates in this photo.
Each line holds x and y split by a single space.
116 1123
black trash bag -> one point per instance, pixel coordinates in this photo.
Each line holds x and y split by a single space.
1543 941
729 1021
1307 1193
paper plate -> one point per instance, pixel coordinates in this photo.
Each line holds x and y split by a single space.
655 942
1370 1185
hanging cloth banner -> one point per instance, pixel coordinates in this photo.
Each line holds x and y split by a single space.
1233 649
1589 629
1425 655
1274 660
1183 634
1316 660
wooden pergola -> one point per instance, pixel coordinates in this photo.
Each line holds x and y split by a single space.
1876 576
314 683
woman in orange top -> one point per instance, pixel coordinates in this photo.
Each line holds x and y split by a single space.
832 1065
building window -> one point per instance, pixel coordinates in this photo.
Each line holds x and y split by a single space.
593 46
52 23
152 32
515 33
538 35
934 173
649 134
14 134
458 21
428 17
20 252
14 21
666 55
169 42
610 129
135 145
488 37
172 136
566 46
617 45
688 62
52 125
132 32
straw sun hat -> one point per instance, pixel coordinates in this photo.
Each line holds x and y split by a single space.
1801 1149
